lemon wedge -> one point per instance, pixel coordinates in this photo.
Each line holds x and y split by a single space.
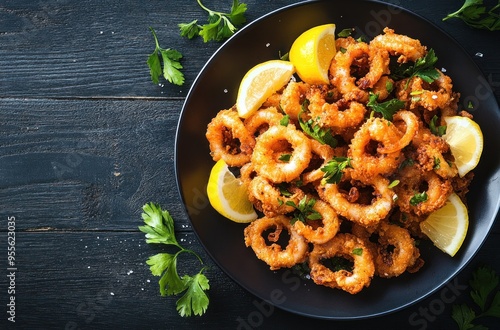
259 83
228 195
447 227
466 142
312 53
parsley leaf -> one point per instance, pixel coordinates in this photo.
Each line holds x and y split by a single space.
483 284
314 130
437 130
423 67
334 169
219 25
190 30
171 65
463 316
476 15
418 198
345 33
165 265
357 251
387 108
195 300
304 210
159 228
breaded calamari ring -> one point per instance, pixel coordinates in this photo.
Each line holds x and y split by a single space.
229 139
351 248
273 254
406 48
321 230
364 214
281 153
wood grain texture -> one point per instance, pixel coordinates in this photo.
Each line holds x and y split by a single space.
75 156
97 280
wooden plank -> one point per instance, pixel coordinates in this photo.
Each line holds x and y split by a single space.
100 280
79 48
75 156
91 48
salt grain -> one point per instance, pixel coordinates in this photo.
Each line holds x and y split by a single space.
478 54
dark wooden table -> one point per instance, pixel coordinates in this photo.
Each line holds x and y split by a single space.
86 139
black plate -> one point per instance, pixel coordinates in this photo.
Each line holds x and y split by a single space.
216 87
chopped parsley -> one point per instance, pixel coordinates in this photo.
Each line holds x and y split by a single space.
418 198
357 251
393 184
423 67
387 108
304 210
285 157
334 169
311 128
345 33
437 130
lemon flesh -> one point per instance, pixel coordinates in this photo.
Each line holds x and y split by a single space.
466 142
447 227
259 83
312 53
228 195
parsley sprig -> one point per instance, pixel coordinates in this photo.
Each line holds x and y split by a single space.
423 67
171 68
334 169
476 15
436 129
387 108
304 210
219 25
159 229
314 130
485 294
418 198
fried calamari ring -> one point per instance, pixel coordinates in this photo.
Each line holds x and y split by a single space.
396 251
421 192
345 246
364 214
366 158
321 155
359 55
271 199
273 254
410 129
340 114
383 88
261 120
418 93
408 49
321 230
281 153
433 153
293 98
229 139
